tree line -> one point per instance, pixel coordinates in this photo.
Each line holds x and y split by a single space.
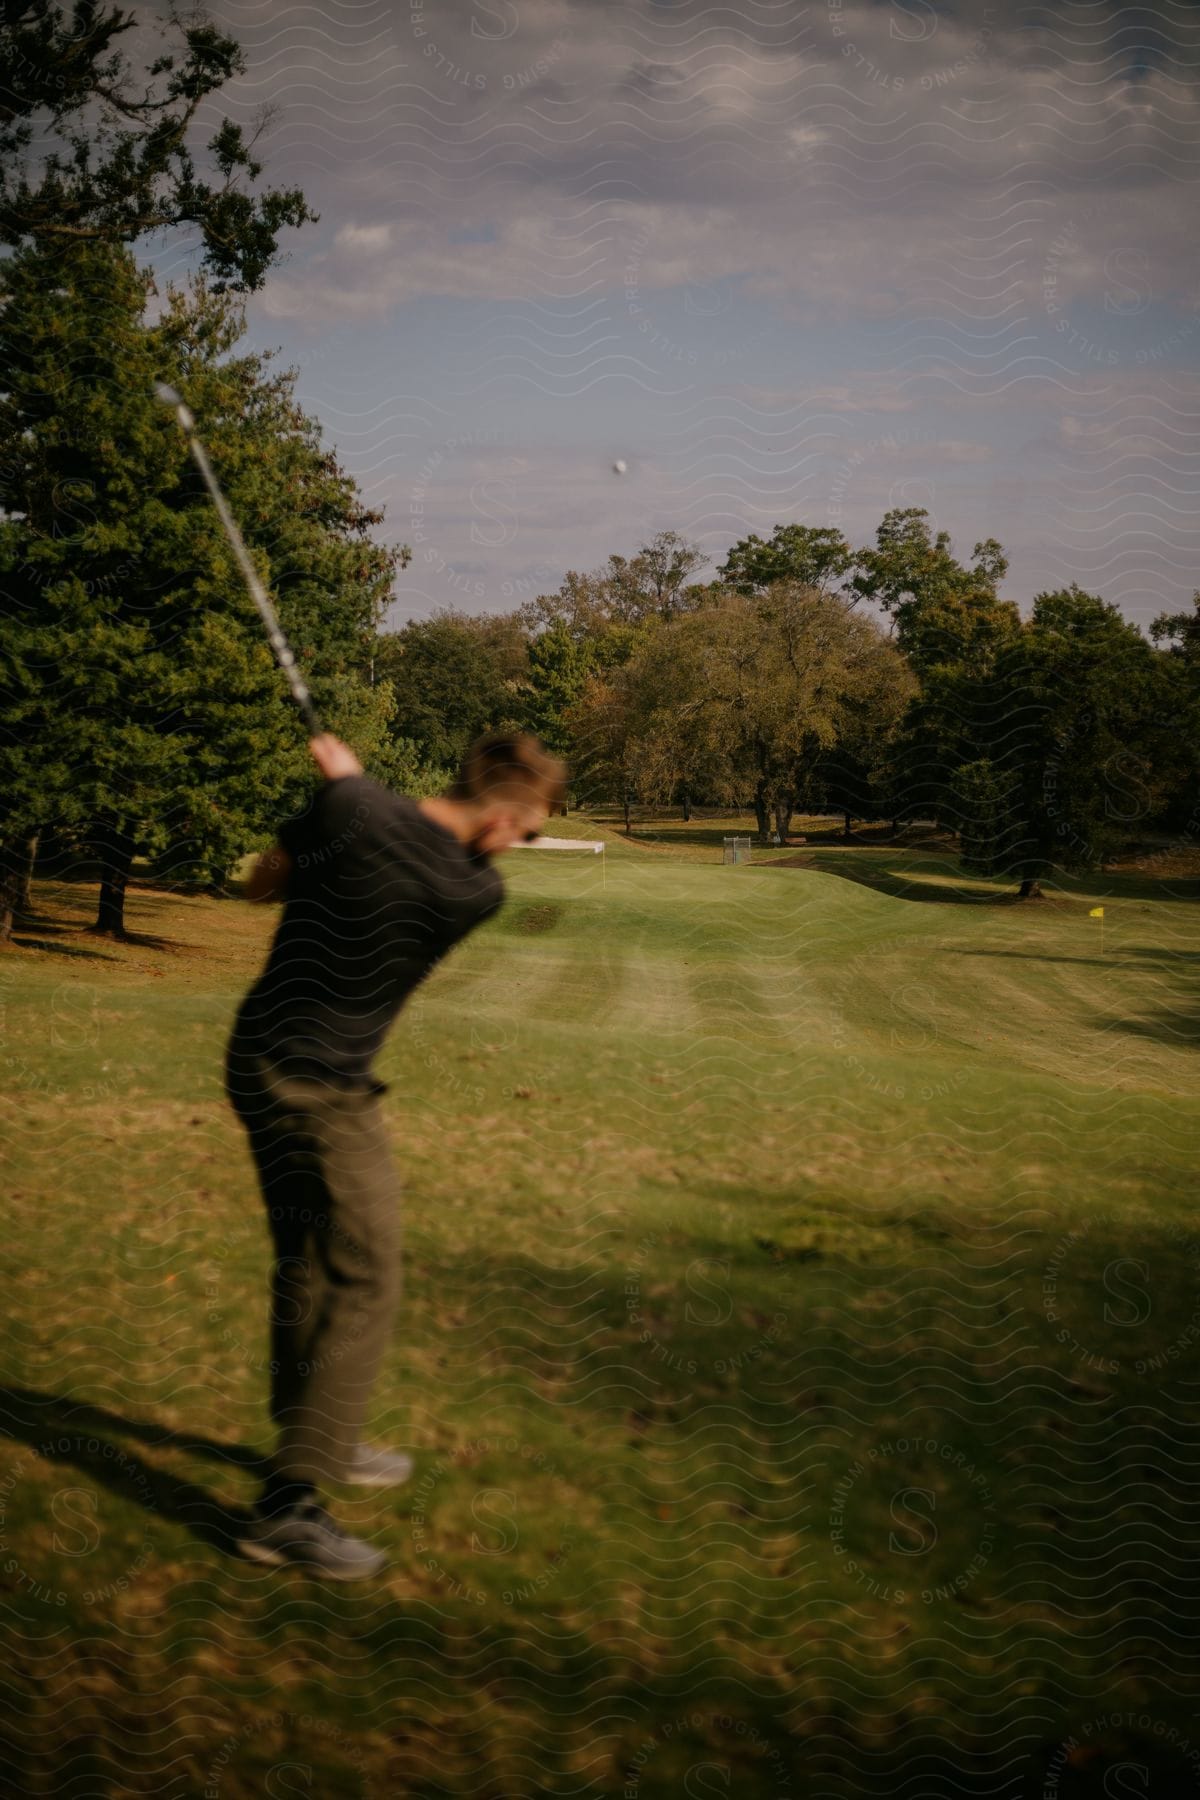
142 711
888 681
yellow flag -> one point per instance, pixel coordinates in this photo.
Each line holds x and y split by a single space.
1097 912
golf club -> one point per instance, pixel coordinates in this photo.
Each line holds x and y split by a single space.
258 593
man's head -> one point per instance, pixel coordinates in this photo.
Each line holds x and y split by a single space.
505 787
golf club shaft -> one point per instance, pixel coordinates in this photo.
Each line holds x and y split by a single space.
258 593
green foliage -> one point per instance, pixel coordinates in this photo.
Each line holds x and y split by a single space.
1180 632
91 152
81 449
988 805
943 609
653 583
1089 754
1179 753
1069 726
593 626
816 556
448 682
616 605
559 667
858 771
745 696
400 764
145 696
954 631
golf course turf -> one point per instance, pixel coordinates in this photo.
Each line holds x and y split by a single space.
800 1348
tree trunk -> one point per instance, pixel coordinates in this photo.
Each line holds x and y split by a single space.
116 846
28 852
628 833
846 826
761 814
783 819
1031 888
687 806
10 887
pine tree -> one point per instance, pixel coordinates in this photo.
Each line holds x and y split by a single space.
146 712
92 152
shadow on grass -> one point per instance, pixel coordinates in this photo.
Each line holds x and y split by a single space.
1178 1026
897 885
136 940
64 1430
890 876
1092 962
36 943
1127 956
694 1689
1169 1028
140 940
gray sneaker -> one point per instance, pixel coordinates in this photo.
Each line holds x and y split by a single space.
306 1536
373 1467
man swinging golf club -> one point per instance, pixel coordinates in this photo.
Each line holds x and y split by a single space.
377 889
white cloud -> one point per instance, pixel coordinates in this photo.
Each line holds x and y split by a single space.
897 209
366 238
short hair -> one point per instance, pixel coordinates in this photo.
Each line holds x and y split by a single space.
506 765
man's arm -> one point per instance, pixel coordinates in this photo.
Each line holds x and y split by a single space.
332 757
268 878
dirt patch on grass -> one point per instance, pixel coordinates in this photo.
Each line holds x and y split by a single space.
538 918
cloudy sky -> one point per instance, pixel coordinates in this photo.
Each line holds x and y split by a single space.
789 262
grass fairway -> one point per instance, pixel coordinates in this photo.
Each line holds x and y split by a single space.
799 1350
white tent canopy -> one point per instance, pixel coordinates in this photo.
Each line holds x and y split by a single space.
553 843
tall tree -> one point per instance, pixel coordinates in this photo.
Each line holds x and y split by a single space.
146 711
823 673
1072 752
918 581
604 754
652 712
744 697
507 642
859 773
1178 638
952 627
815 555
659 572
448 682
613 606
559 666
93 151
963 702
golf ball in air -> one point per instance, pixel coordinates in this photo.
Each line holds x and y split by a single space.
619 467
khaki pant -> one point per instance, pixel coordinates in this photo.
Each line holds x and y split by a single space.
332 1199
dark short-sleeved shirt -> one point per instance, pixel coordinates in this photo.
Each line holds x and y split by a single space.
377 894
